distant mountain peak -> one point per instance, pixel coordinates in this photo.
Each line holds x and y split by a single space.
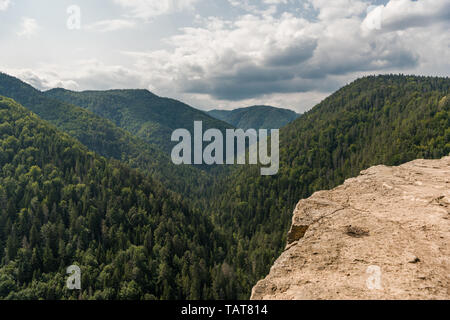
256 117
142 113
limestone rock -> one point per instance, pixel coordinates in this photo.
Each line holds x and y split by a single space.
382 235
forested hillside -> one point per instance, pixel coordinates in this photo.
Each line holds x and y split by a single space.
375 120
256 117
142 113
104 137
61 205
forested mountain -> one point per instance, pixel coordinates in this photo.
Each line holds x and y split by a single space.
256 117
135 239
103 136
61 205
375 120
142 113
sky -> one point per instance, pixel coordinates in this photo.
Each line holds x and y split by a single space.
222 54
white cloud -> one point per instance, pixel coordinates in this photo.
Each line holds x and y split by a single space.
257 55
29 27
80 75
260 57
111 25
42 80
4 4
404 14
146 9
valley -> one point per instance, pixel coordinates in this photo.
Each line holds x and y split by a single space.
87 179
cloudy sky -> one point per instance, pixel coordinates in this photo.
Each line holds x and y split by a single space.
222 53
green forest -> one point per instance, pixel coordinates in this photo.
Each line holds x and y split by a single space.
62 204
104 137
140 112
78 186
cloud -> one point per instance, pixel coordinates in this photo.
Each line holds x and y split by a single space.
338 9
236 88
256 55
42 80
80 75
4 5
111 25
294 54
147 9
29 27
404 14
234 59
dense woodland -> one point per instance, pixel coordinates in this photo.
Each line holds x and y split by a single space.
61 205
102 136
375 120
140 112
214 234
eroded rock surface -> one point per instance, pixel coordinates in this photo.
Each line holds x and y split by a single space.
382 235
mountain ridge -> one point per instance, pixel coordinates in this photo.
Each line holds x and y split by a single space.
142 113
62 205
385 119
388 119
101 135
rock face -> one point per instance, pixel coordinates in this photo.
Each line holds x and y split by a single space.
382 235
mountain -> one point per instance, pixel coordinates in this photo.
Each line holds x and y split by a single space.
382 235
62 205
140 112
375 120
103 136
256 117
213 243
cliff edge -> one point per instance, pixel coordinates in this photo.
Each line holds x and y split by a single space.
382 235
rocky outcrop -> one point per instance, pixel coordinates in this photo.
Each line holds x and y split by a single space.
382 235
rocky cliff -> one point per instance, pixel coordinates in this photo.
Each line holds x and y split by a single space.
382 235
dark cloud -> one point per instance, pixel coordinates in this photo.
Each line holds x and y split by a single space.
293 55
385 59
250 80
235 89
